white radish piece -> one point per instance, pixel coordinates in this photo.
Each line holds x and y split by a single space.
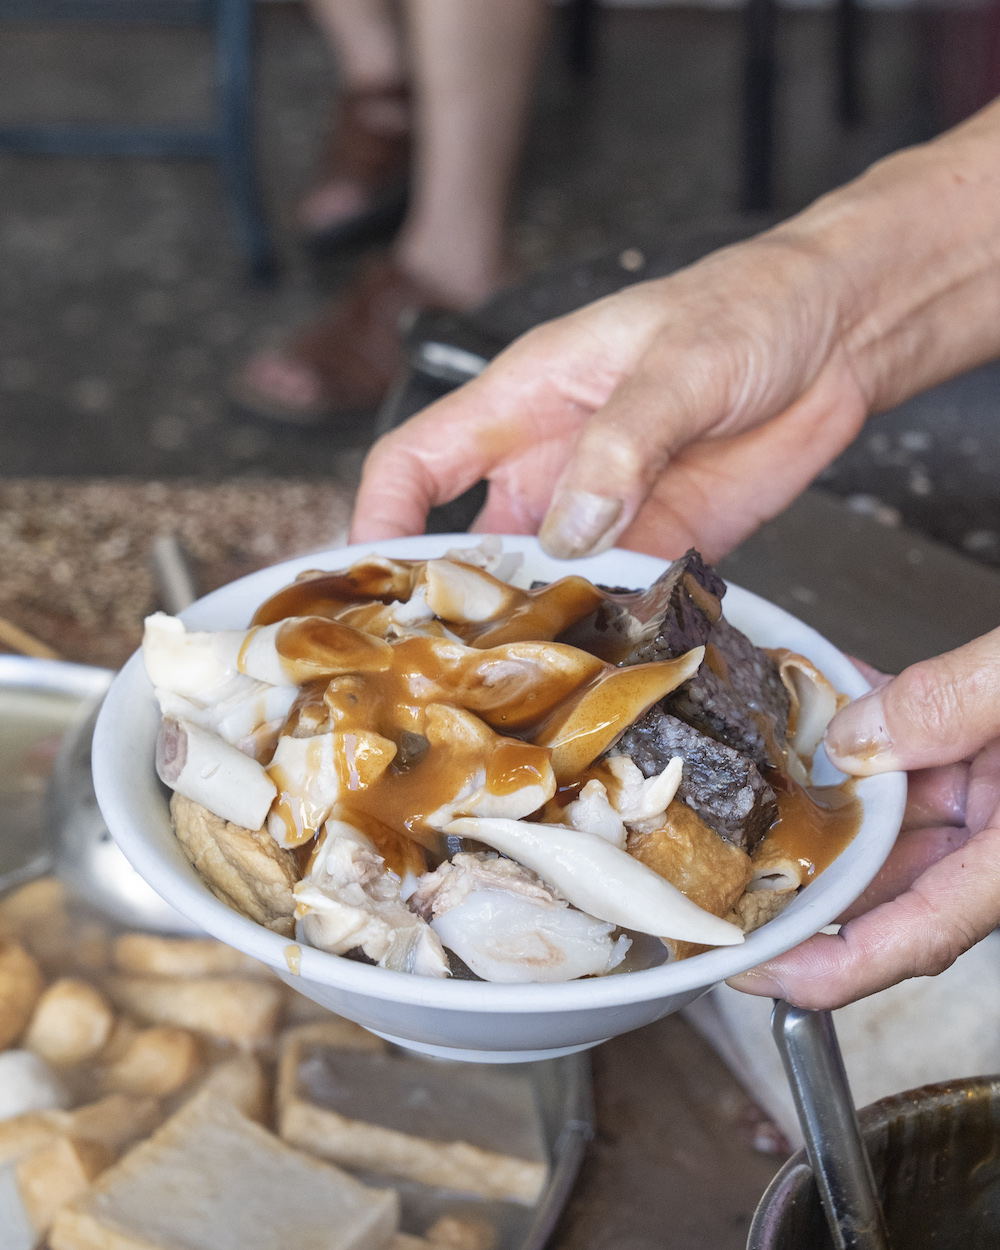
598 878
184 663
202 767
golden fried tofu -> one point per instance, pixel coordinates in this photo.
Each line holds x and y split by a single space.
49 1178
21 986
456 1233
233 1009
72 1022
210 1179
709 870
757 907
241 1081
150 954
244 868
156 1061
115 1122
705 867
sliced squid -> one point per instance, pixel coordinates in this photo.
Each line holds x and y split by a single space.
598 878
236 717
814 703
642 801
591 812
495 777
202 767
585 726
350 900
462 593
489 555
312 774
508 926
183 663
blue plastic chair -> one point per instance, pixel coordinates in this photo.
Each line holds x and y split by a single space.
229 140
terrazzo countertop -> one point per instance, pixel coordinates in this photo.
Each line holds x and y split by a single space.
74 554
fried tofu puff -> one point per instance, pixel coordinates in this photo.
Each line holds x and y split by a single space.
706 868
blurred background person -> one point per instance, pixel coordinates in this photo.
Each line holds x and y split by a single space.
439 86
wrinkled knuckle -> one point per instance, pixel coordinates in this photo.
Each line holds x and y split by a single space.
937 955
929 700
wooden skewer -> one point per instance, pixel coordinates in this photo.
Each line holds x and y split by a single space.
24 643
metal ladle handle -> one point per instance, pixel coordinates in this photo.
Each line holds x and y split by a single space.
814 1066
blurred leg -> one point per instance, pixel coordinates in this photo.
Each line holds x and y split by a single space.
368 147
474 64
365 39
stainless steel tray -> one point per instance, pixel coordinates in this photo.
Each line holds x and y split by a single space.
46 717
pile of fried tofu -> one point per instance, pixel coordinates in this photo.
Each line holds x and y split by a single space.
173 1094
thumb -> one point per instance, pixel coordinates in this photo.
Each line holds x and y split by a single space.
936 712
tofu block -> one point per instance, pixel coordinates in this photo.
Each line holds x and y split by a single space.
148 954
234 1009
210 1179
21 986
115 1121
462 1234
55 1175
241 1081
157 1062
452 1125
244 868
37 902
71 1023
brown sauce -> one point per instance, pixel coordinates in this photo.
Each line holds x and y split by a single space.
814 823
503 709
326 594
537 615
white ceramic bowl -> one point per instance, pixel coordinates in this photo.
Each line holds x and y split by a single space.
472 1019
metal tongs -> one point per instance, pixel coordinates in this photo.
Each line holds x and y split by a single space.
814 1066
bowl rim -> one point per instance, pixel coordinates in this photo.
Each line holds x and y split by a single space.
119 734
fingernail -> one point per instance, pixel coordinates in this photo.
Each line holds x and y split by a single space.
858 741
576 523
758 982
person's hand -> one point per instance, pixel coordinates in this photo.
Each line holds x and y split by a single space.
678 412
939 891
687 410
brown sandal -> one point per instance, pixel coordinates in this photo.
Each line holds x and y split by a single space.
343 361
367 146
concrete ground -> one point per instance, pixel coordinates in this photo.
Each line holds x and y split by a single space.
123 305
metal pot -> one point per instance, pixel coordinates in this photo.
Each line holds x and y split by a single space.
935 1153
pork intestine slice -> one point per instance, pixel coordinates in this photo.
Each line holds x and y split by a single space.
814 703
202 767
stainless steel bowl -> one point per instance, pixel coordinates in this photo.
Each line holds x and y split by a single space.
935 1153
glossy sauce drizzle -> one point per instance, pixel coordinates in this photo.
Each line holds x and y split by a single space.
815 823
455 719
